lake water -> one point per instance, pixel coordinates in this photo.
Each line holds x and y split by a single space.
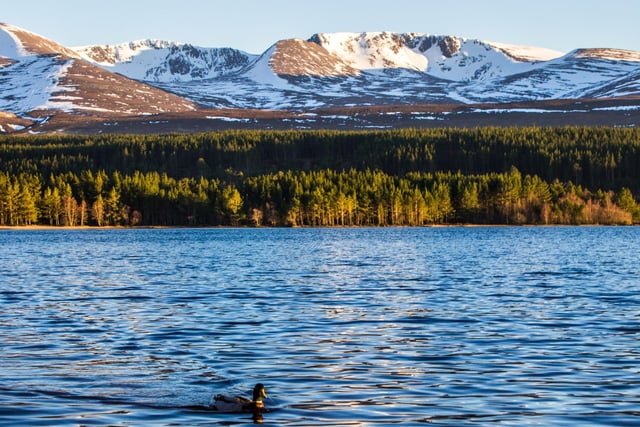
445 326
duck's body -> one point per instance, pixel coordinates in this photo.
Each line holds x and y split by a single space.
224 403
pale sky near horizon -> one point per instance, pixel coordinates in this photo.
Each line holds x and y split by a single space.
254 25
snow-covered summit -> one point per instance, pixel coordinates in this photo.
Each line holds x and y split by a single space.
165 61
366 51
445 57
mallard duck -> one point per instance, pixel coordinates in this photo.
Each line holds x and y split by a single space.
224 403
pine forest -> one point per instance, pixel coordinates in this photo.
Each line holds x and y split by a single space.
404 177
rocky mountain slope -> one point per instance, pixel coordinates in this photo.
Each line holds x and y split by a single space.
355 74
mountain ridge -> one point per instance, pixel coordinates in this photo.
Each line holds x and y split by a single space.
337 69
362 71
168 60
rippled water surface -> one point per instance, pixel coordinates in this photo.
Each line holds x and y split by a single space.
445 326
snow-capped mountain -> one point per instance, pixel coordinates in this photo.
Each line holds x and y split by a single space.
164 61
338 69
583 73
37 74
444 57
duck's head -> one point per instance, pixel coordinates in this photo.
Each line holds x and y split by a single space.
259 393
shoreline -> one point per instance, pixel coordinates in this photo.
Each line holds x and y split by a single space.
163 227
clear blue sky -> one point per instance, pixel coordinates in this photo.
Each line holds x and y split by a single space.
253 25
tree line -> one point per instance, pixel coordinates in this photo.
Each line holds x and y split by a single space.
317 198
607 158
324 178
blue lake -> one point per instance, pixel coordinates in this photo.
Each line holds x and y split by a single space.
445 326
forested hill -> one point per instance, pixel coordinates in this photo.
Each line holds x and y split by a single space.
399 177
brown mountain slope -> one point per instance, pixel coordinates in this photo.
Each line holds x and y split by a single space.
66 82
91 88
296 57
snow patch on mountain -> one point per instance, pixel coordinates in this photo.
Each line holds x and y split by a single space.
29 84
10 45
27 80
262 72
526 53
